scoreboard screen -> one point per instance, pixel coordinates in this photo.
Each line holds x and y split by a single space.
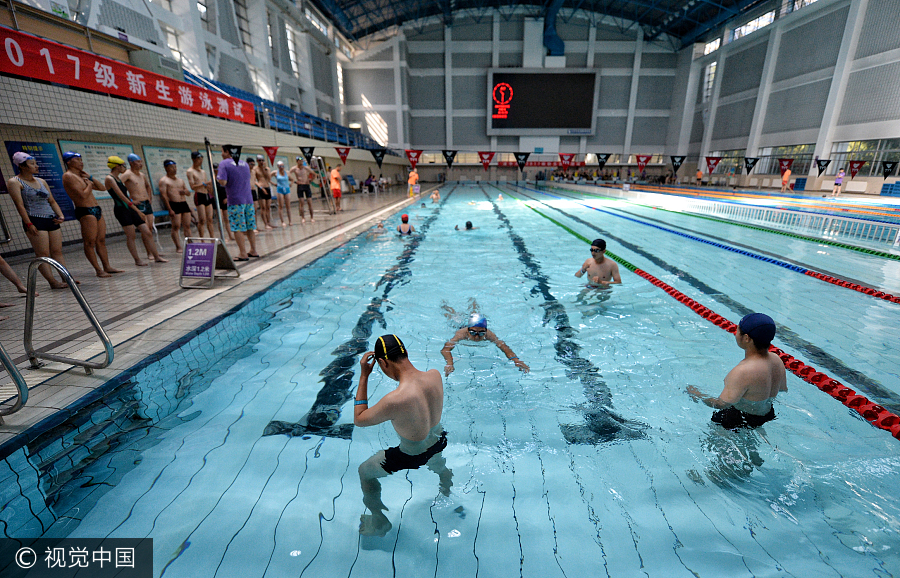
542 101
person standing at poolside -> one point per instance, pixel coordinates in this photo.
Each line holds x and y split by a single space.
235 177
128 214
785 179
413 181
336 186
699 177
750 388
79 185
301 175
262 185
838 182
139 189
174 192
283 190
600 270
414 409
41 217
199 182
477 331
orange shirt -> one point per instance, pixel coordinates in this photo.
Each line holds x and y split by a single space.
335 179
413 178
699 174
786 176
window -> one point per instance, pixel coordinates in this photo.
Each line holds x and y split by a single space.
871 151
167 4
292 49
172 42
272 49
709 78
243 22
207 15
375 123
768 159
732 162
317 22
798 4
754 25
711 47
340 75
211 60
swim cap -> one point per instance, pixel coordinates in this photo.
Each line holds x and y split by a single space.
404 217
298 158
259 157
280 163
69 155
599 243
133 157
477 320
114 161
196 155
389 347
21 157
168 162
468 224
759 326
251 160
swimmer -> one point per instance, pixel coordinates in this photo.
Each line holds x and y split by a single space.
477 331
404 228
600 270
435 197
750 388
500 197
414 409
469 227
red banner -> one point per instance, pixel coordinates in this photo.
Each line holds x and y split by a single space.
854 168
486 158
344 151
565 160
539 164
711 163
413 156
785 165
271 152
32 57
642 161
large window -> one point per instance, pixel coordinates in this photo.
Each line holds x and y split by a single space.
340 77
711 47
732 162
207 15
172 42
292 48
317 22
754 25
871 151
243 22
709 78
768 159
272 48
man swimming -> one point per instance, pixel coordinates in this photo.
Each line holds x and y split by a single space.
600 270
477 331
746 400
414 409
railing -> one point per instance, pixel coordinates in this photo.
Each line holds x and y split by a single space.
29 320
18 380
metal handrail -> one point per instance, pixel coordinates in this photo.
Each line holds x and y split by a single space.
17 378
29 320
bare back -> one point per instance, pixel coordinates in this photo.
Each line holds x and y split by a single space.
419 403
755 379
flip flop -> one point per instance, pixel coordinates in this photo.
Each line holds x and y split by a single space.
240 259
254 256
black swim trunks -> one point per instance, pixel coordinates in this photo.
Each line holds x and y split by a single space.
42 224
395 460
304 191
127 217
179 207
733 418
95 212
202 199
265 193
145 207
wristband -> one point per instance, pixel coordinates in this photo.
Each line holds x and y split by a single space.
27 225
361 402
513 358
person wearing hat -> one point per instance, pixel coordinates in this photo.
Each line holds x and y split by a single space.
41 217
601 271
128 214
80 187
139 189
414 409
404 228
301 174
751 387
199 182
283 190
476 330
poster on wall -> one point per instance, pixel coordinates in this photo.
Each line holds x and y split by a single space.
94 155
50 168
153 165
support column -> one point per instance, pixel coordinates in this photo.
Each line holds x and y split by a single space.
762 95
448 87
632 100
713 106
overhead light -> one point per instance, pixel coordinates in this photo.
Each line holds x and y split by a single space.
354 126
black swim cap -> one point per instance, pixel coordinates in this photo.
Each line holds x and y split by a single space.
759 326
389 347
599 243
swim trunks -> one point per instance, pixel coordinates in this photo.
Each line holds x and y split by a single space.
336 193
179 207
304 192
145 207
95 212
242 217
265 193
202 199
733 418
127 217
395 460
42 224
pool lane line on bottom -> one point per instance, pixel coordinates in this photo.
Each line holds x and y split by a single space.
805 271
871 412
873 252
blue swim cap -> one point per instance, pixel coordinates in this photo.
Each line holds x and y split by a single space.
759 326
477 320
133 157
69 155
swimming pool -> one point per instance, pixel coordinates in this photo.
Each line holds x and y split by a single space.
595 462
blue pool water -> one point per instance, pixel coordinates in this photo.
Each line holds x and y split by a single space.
235 451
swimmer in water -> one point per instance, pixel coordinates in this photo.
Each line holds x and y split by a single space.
469 227
404 228
601 271
500 197
477 331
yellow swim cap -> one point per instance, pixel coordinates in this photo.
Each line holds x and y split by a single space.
114 161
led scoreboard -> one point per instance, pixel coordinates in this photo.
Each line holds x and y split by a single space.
542 101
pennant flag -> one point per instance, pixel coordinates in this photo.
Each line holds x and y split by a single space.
749 163
235 152
785 165
449 156
522 159
711 163
822 164
602 158
677 162
854 167
565 160
379 155
887 167
413 156
271 152
642 161
307 153
343 152
485 158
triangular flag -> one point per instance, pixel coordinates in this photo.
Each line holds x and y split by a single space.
565 160
711 163
307 153
602 159
677 162
449 156
379 155
785 165
522 160
822 164
485 157
271 152
749 163
642 161
887 168
413 156
343 152
854 167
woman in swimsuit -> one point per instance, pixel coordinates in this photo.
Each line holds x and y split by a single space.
283 188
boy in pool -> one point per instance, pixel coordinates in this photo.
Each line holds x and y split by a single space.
601 271
746 400
477 331
414 409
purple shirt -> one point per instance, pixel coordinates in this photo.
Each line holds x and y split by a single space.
237 182
840 178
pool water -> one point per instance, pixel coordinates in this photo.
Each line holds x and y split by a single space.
236 451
